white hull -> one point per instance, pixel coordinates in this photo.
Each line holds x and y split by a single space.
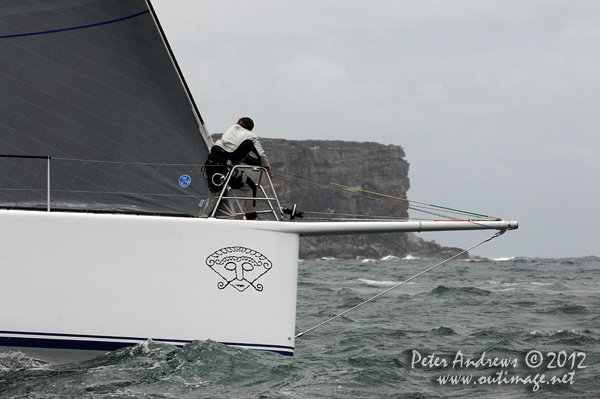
101 281
104 281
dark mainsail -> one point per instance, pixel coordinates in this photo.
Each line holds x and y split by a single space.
92 84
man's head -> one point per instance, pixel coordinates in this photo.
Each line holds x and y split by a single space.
246 123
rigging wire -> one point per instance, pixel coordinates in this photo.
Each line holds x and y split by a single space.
340 188
430 209
329 186
417 202
336 190
499 233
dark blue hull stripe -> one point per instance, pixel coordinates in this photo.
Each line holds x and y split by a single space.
107 343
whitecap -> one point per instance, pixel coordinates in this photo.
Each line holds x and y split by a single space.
376 283
542 333
498 282
391 257
504 259
11 361
551 333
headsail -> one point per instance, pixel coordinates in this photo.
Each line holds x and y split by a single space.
92 84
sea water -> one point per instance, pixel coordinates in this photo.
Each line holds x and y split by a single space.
507 328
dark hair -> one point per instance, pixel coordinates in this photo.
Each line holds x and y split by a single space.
246 123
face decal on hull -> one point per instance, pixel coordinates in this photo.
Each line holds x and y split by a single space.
240 267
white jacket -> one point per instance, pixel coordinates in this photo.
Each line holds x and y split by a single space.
243 146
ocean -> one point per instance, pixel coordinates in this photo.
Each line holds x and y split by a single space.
506 328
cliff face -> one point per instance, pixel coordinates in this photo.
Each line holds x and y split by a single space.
368 166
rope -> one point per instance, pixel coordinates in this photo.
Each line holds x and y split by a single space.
330 187
339 188
416 202
381 196
499 233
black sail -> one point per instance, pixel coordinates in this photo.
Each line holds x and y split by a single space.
92 84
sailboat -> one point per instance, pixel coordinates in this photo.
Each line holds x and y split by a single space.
100 180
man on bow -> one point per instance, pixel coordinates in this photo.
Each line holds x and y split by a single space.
238 145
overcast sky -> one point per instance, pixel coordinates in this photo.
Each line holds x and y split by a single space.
496 103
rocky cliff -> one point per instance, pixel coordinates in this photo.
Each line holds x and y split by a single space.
368 166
